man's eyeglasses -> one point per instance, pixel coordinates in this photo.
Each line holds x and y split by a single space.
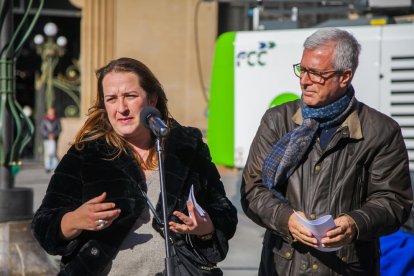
314 76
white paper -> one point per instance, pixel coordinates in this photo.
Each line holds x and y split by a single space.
197 207
319 227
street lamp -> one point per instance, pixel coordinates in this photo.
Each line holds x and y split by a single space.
50 50
16 130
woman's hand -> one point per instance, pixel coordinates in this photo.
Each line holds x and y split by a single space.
193 224
93 215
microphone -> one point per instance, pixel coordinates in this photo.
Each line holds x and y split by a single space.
150 117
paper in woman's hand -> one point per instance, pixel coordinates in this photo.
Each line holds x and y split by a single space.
197 207
319 227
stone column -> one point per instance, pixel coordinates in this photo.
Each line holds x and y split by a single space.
97 43
97 47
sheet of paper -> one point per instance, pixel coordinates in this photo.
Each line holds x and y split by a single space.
197 207
319 227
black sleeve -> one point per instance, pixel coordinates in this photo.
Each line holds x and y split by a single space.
63 195
220 209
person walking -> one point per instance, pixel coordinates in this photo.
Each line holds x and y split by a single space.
50 128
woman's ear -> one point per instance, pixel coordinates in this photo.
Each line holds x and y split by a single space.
153 100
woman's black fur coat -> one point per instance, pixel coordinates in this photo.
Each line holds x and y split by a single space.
82 175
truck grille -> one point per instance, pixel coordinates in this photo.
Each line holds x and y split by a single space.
402 99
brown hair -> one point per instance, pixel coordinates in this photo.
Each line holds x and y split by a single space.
97 125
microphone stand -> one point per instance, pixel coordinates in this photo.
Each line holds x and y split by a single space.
168 260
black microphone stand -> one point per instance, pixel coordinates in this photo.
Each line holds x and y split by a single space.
168 260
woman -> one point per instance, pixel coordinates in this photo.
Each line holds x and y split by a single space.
95 212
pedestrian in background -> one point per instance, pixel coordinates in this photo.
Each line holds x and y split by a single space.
50 128
326 154
97 212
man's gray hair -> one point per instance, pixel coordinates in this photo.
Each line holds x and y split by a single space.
346 51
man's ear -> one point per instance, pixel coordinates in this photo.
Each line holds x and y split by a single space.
346 78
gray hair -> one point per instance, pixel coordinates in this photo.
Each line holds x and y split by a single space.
346 51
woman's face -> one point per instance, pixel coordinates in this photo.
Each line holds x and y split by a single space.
124 99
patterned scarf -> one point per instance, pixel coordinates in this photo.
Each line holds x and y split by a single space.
287 153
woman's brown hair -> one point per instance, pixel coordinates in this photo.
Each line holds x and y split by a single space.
97 125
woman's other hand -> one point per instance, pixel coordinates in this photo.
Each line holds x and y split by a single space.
93 215
192 224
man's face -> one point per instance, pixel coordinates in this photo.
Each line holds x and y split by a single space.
332 86
51 113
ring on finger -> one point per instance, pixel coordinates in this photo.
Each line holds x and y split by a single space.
101 223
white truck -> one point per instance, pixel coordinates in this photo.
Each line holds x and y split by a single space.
253 71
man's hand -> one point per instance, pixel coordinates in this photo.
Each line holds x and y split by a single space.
344 233
299 232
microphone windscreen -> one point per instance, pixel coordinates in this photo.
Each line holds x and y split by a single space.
148 112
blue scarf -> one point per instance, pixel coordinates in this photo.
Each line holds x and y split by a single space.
287 153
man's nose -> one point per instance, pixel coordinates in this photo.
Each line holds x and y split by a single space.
304 79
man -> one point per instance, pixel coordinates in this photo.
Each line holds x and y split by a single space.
326 154
50 128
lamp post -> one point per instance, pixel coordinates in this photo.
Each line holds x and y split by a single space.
16 129
51 48
19 252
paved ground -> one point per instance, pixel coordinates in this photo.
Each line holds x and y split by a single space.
244 255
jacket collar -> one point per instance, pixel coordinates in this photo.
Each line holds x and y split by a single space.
352 122
125 162
180 150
